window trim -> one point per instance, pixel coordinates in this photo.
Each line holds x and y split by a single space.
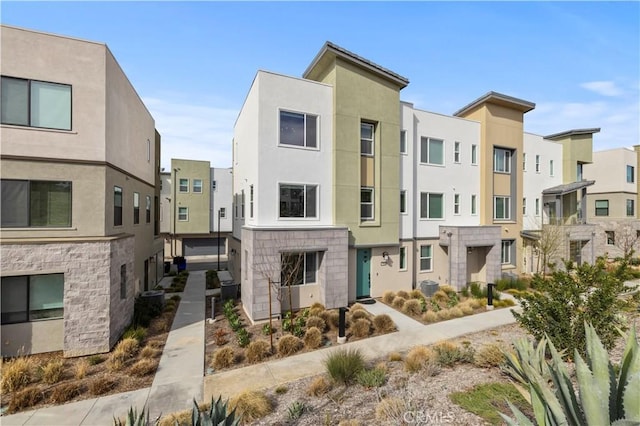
456 152
27 301
402 258
474 155
603 209
315 254
474 205
524 161
456 204
537 207
193 182
180 186
428 159
29 224
148 209
136 208
403 142
304 126
372 140
551 168
372 203
506 155
118 214
524 206
186 210
251 201
508 244
506 208
429 257
630 178
631 212
610 237
443 210
537 163
304 216
223 212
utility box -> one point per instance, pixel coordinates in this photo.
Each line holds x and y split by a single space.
429 288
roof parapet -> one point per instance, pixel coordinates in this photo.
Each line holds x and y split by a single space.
499 99
574 132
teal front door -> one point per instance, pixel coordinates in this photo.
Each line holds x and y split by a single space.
363 273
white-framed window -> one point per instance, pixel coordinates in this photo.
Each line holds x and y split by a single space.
35 103
366 203
631 211
506 253
501 208
550 167
537 164
403 142
524 161
426 258
456 203
367 135
403 201
431 205
298 200
136 208
123 281
524 206
456 152
631 174
33 203
537 206
250 200
183 214
431 151
184 185
474 207
501 160
299 268
474 154
32 298
197 186
223 212
611 237
602 207
298 129
148 209
117 206
403 259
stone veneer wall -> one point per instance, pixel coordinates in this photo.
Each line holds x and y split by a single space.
472 236
263 248
94 314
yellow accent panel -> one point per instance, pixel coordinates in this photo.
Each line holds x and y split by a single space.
501 184
366 171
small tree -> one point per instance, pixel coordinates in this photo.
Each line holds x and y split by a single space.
568 298
548 246
626 239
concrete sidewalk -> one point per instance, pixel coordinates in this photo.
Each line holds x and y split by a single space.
410 333
177 382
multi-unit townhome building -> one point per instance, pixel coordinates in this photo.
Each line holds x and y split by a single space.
80 187
198 223
374 194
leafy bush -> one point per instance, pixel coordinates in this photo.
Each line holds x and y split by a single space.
296 409
136 332
267 330
312 338
242 337
319 386
520 284
568 299
126 348
251 405
211 279
343 365
383 323
52 371
145 309
373 378
412 307
258 351
17 373
288 345
223 358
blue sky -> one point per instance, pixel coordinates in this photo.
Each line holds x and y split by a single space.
193 62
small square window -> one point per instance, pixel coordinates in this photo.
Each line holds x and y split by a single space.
197 186
184 185
183 214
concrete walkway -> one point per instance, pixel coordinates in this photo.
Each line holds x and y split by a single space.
177 382
410 333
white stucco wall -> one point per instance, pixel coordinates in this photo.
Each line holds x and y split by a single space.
609 170
222 197
535 182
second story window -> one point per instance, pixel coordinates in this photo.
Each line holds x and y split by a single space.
183 214
630 174
501 160
35 204
184 185
431 205
456 152
524 162
502 208
366 138
550 167
298 129
474 154
117 206
537 164
298 200
36 103
197 186
403 142
223 212
432 151
602 207
366 203
251 201
403 201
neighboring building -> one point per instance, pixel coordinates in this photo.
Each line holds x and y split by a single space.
373 195
190 225
80 187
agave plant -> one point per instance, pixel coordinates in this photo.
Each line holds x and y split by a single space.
603 398
135 419
216 415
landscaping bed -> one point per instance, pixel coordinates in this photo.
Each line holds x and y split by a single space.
40 380
233 342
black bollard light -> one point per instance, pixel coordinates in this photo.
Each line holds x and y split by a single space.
490 295
342 323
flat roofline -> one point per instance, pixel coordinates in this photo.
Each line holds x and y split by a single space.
573 132
500 99
343 53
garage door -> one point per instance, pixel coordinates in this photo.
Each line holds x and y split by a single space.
202 246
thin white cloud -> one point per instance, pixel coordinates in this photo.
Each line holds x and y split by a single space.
604 88
193 132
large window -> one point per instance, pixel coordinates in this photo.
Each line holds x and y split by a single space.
366 203
403 259
117 206
630 207
403 142
136 208
501 160
602 207
197 186
298 129
431 151
506 254
426 258
431 205
36 104
366 138
403 201
35 203
183 214
148 210
298 200
502 208
184 185
630 174
299 268
32 298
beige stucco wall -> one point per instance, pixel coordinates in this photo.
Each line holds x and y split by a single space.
387 276
617 205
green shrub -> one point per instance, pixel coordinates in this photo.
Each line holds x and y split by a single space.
343 365
450 353
138 333
519 283
373 378
242 337
296 409
145 309
211 279
267 329
96 359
